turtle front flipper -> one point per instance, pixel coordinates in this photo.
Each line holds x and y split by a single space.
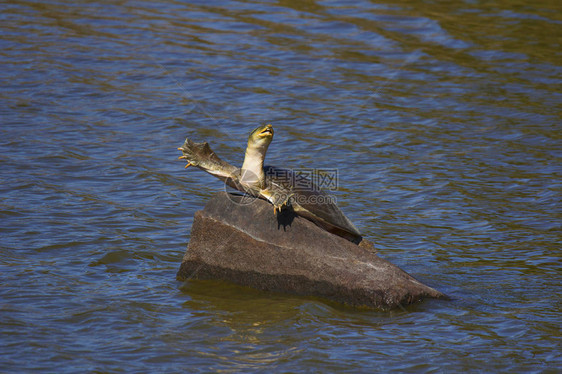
195 153
200 155
279 198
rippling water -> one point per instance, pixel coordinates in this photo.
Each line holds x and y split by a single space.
444 121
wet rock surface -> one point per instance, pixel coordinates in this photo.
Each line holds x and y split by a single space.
245 243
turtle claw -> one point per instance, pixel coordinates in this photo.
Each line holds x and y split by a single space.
277 208
197 153
184 157
187 155
278 200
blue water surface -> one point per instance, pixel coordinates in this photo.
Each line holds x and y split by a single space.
442 119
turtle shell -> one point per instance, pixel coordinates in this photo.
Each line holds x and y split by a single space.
311 202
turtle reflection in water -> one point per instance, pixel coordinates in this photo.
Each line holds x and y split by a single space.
273 184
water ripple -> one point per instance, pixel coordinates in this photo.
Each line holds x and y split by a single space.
443 122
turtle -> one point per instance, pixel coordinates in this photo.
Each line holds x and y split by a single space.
276 185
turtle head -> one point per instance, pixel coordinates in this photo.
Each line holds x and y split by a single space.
252 174
261 137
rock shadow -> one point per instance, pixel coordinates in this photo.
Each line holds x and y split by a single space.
285 218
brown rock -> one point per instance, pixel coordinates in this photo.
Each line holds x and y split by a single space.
247 244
